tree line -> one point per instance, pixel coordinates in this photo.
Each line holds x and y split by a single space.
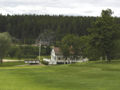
101 42
10 50
91 37
27 28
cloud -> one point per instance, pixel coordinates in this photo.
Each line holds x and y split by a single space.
56 7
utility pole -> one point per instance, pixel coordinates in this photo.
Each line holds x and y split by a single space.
39 49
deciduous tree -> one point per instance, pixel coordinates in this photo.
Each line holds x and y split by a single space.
5 44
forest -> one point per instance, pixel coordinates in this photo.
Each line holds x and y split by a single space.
90 35
27 28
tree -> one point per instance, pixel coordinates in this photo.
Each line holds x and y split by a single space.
46 38
103 34
19 53
70 46
13 52
5 44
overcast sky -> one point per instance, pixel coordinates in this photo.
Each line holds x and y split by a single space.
56 7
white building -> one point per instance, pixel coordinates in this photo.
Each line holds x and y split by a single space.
57 58
56 55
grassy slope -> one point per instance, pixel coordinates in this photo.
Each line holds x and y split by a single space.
90 76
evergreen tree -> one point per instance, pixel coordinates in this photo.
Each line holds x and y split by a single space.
103 34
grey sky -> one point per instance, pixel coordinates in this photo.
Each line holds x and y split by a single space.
56 7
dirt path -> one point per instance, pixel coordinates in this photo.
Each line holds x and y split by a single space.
8 60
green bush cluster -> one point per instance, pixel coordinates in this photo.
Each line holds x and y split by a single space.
27 51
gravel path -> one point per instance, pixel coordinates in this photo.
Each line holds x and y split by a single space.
8 60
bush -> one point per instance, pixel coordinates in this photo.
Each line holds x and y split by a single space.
44 62
28 51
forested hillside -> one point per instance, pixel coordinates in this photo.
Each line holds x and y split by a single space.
27 28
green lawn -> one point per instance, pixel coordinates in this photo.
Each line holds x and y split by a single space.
85 76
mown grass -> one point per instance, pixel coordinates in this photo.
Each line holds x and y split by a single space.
80 76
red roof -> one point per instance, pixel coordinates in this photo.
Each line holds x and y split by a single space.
57 51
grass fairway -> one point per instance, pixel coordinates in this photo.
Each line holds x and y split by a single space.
85 76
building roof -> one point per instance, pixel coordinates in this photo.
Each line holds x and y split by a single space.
57 51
